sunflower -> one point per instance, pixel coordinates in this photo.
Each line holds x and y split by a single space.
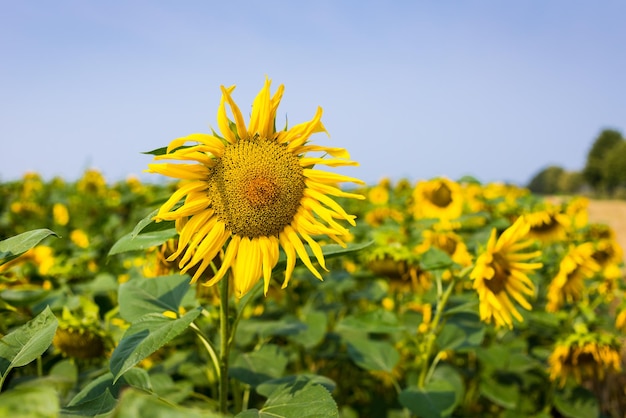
253 190
500 273
584 356
437 198
549 224
569 283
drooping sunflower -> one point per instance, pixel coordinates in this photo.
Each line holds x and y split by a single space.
438 198
569 283
548 224
584 355
253 190
501 273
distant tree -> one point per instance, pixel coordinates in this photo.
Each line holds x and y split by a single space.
594 171
615 168
547 180
571 182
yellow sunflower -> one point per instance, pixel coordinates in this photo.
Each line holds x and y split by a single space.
437 198
569 283
584 356
501 273
254 189
548 224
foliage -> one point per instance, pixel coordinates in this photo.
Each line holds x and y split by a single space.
594 171
97 321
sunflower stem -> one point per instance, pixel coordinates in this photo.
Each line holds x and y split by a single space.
432 336
209 348
224 344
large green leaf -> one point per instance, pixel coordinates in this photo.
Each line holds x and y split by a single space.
27 342
505 395
156 295
302 399
379 321
576 403
316 324
373 355
461 331
38 401
437 399
144 337
13 247
266 388
135 403
142 241
249 328
256 367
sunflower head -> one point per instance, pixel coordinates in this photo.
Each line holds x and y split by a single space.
500 275
584 355
438 198
568 285
549 224
252 190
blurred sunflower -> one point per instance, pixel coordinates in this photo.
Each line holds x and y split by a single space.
60 214
501 273
254 190
584 355
437 198
447 241
576 209
548 224
378 195
378 216
569 283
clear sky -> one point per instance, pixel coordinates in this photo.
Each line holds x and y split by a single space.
413 89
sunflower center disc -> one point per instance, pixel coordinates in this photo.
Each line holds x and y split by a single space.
256 187
441 196
502 272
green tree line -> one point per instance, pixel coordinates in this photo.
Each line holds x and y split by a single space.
604 173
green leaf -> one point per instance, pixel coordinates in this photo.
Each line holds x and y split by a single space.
142 241
507 396
156 295
461 331
148 224
38 401
135 403
249 328
316 324
101 404
13 247
447 373
437 399
302 399
266 388
435 259
379 321
256 367
27 342
373 355
144 337
576 403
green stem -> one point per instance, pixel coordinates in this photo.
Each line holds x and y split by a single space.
209 348
432 336
224 344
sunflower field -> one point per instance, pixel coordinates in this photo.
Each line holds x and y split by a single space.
230 294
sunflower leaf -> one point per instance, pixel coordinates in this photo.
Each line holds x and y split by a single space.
13 247
142 241
436 399
27 342
144 337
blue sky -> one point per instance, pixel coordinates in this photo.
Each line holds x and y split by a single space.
413 89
